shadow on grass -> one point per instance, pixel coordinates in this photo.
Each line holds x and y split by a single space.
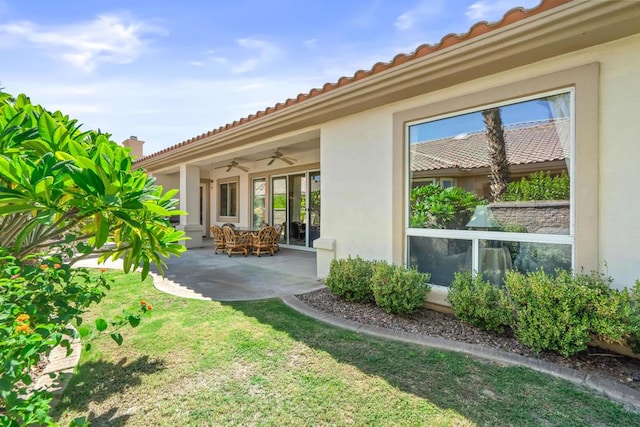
96 381
482 392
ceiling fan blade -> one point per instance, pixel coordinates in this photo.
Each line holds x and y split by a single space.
222 167
289 159
243 168
229 168
273 159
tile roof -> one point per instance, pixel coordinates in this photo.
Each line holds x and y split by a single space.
526 143
478 29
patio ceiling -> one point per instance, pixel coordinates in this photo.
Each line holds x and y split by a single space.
290 146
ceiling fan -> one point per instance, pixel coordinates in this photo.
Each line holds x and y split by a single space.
279 156
232 165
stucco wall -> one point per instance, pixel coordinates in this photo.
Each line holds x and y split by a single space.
620 160
356 184
168 181
357 166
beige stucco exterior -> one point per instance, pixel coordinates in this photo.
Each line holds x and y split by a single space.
591 47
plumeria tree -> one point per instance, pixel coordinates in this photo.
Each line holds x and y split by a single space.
65 194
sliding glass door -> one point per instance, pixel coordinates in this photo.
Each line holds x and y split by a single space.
295 204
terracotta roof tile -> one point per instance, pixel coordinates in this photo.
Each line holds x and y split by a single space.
510 17
526 143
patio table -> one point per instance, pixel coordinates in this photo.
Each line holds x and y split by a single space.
243 231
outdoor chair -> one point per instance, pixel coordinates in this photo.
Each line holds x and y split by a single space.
218 239
297 230
236 243
263 241
276 236
228 224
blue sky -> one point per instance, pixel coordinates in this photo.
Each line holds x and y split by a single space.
166 71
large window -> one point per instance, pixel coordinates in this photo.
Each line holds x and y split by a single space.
228 199
490 188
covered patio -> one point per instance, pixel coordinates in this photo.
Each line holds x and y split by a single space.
201 274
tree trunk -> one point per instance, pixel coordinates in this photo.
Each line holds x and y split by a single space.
499 175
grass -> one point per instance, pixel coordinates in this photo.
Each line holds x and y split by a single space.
260 363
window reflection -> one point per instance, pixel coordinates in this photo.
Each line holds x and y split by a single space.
512 162
514 157
441 258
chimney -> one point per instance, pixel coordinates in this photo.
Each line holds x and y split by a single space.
136 146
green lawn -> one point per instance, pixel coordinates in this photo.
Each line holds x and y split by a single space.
260 363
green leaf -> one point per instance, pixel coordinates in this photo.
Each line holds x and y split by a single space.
9 209
76 149
80 421
102 230
155 208
117 338
84 331
5 169
101 324
134 321
47 127
145 268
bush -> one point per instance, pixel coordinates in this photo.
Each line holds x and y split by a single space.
479 303
539 186
633 335
435 207
65 194
561 313
350 279
398 290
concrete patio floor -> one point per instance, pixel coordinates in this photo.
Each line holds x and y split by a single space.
201 274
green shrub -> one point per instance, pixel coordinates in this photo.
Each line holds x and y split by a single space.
554 313
539 186
350 279
563 312
479 303
447 208
65 194
633 331
398 290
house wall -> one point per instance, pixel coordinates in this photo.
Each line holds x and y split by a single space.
356 186
364 213
168 181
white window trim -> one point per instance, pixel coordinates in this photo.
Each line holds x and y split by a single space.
474 235
225 218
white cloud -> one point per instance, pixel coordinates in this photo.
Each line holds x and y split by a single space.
265 52
107 39
423 10
484 10
311 43
262 52
405 21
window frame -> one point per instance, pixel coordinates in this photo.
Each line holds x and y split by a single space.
226 181
584 81
451 180
475 236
